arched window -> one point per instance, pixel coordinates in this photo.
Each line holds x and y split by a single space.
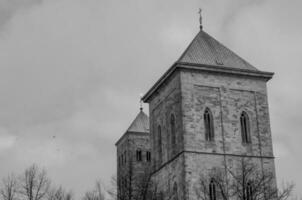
159 147
212 190
208 124
175 191
248 191
123 185
173 134
161 196
138 155
245 127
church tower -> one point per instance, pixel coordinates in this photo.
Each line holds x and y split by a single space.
208 110
133 157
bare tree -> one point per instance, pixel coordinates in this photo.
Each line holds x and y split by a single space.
145 188
96 194
245 182
136 187
34 183
9 188
112 191
59 194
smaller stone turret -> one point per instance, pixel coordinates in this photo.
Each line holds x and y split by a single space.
133 156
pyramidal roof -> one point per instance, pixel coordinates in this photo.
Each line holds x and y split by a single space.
205 50
140 123
207 54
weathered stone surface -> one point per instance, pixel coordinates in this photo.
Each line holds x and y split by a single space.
130 171
166 103
207 76
187 94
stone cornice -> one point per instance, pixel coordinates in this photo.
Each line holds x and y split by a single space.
206 68
208 153
131 133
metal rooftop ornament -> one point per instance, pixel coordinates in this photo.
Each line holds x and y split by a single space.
141 102
200 18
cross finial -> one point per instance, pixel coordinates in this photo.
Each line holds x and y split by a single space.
141 102
200 18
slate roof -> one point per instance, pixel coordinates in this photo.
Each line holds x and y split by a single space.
140 123
207 54
205 50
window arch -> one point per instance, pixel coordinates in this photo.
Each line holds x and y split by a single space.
245 127
161 196
208 124
212 190
173 133
175 191
159 147
248 192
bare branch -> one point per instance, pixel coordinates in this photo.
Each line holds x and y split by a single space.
244 182
34 183
96 194
9 188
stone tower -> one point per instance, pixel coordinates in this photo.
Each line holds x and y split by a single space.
133 156
209 109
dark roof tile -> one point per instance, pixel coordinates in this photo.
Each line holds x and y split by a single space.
140 123
205 50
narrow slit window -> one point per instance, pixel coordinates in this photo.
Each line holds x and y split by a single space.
159 144
248 191
138 155
148 156
245 128
209 125
175 191
173 133
212 190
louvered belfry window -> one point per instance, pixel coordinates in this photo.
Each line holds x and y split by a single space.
148 156
138 155
245 128
209 125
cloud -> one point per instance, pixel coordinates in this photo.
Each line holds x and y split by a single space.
71 72
7 140
269 36
8 8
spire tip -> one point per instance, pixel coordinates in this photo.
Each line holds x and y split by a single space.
141 102
200 19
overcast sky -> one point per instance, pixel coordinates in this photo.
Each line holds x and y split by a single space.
71 72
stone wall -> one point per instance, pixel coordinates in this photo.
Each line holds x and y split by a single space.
133 170
169 175
162 106
186 94
226 96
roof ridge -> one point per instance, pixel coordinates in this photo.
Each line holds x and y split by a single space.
183 54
